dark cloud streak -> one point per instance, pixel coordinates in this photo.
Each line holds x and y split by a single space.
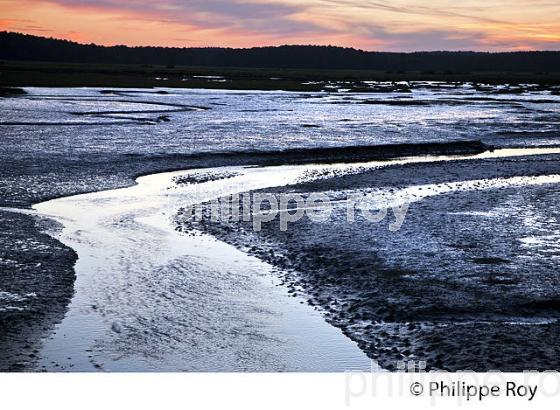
413 10
265 18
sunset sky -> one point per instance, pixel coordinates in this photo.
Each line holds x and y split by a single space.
398 25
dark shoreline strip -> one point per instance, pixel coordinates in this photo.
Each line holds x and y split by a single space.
330 155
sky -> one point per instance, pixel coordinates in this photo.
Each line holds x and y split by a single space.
398 25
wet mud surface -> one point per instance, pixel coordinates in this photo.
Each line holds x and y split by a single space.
372 285
469 282
37 277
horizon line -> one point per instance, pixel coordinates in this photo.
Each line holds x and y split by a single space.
279 46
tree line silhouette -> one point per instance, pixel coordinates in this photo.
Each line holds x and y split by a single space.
17 46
